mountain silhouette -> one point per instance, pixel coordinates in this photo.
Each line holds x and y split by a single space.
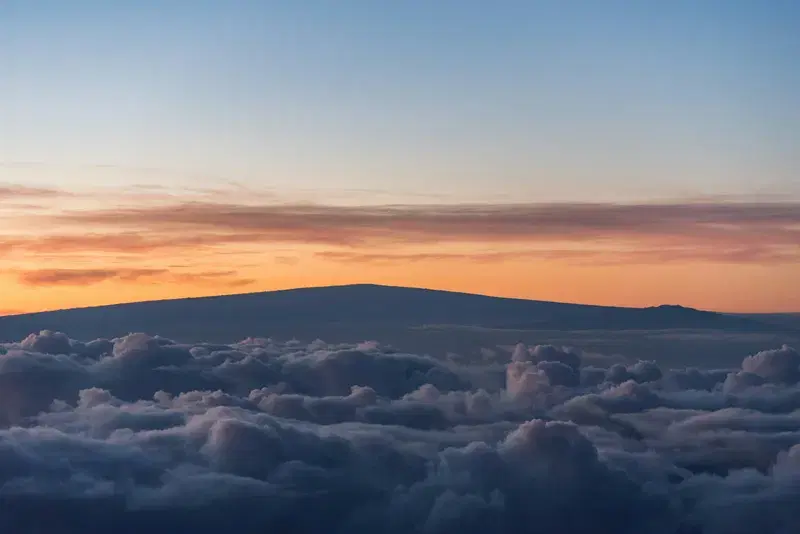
295 311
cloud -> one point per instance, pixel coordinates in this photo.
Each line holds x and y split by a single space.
423 223
124 243
657 256
146 433
78 277
719 231
14 192
42 277
782 365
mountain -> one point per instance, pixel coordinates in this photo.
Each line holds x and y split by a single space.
786 320
356 308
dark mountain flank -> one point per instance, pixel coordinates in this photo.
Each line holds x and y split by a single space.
292 312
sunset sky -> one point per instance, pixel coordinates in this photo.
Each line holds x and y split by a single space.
614 152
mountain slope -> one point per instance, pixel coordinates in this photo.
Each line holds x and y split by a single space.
292 312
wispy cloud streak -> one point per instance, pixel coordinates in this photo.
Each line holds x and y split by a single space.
721 231
590 257
14 192
76 277
465 222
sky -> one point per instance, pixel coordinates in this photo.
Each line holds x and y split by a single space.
615 152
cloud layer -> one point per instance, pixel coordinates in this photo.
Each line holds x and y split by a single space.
337 224
723 231
143 433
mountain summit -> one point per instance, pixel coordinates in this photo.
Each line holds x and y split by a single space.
292 312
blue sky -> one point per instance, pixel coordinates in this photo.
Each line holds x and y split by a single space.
568 100
533 108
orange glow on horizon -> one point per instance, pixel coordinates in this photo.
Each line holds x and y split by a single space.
739 288
99 249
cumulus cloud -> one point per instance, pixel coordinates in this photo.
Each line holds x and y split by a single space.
780 366
143 433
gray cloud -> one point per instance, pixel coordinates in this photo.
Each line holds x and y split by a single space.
145 433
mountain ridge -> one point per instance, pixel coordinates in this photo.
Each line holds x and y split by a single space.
355 286
288 311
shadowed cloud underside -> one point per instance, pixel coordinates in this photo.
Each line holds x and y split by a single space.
144 433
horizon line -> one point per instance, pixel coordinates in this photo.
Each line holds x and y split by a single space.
368 284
